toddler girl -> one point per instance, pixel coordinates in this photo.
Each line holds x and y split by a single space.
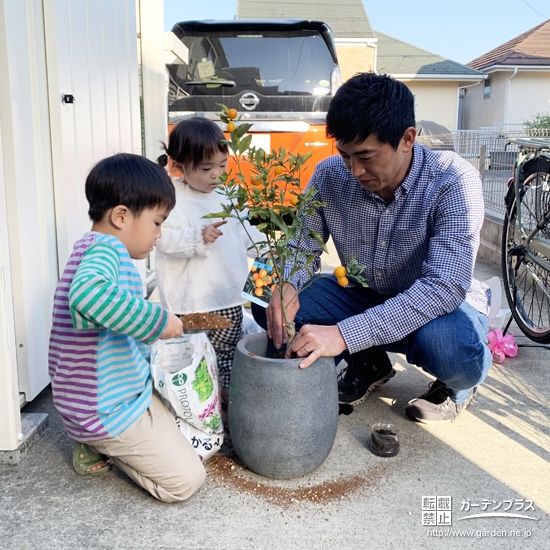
201 265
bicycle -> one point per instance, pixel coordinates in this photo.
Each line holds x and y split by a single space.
526 240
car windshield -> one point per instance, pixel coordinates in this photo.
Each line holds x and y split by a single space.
271 63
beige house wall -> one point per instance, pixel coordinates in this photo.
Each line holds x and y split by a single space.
435 101
355 59
511 101
529 95
482 112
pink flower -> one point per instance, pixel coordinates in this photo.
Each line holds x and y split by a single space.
501 346
210 409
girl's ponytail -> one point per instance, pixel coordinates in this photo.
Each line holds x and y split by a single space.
163 160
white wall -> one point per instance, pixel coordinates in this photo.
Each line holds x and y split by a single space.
529 95
153 76
10 421
435 101
28 181
512 100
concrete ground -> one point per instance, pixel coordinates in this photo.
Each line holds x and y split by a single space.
494 458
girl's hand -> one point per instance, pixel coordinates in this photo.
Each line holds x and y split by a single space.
211 232
174 329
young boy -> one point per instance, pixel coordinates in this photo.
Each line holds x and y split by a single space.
102 329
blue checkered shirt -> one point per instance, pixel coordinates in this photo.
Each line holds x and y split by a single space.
419 250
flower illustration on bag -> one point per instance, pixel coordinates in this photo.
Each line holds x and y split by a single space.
210 409
501 346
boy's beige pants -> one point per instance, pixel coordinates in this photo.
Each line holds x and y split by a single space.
156 455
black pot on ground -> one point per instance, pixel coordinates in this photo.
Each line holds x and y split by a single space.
282 419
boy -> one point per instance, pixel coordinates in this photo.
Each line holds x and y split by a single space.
101 332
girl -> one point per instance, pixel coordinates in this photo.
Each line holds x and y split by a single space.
201 266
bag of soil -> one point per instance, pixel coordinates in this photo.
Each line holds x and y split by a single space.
186 377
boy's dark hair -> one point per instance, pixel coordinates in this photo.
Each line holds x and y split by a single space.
131 180
370 103
193 141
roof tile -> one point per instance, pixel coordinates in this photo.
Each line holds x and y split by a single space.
530 48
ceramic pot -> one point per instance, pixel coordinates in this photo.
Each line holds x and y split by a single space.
282 419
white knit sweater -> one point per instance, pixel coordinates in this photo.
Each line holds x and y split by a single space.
194 277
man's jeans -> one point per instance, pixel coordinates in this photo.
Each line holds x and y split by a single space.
452 347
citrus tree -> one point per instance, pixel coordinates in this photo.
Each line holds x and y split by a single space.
265 187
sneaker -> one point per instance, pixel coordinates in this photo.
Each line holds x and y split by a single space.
435 405
366 371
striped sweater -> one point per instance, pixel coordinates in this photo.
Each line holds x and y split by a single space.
99 343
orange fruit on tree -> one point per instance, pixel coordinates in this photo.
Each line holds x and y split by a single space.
294 200
259 291
259 283
256 181
262 273
232 114
278 170
343 281
255 276
231 127
340 271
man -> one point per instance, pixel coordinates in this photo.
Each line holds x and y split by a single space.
412 217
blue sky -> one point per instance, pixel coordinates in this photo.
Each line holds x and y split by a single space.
459 30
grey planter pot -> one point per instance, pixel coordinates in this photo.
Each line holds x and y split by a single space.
282 419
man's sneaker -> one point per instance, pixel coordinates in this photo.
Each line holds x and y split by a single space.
435 405
366 371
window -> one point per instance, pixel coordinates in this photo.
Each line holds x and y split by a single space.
487 89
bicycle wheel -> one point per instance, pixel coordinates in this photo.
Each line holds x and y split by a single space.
526 283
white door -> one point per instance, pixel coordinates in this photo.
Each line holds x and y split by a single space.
93 84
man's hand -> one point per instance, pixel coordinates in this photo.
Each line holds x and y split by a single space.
211 232
314 341
174 329
275 322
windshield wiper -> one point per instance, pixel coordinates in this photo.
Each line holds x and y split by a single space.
206 82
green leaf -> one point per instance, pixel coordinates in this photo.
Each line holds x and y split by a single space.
245 143
278 221
242 129
222 215
223 107
235 142
317 237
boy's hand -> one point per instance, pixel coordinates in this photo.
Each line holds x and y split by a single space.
211 232
174 329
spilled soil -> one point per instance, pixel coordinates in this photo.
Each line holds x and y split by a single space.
225 470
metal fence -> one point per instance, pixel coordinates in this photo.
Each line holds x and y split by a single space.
489 150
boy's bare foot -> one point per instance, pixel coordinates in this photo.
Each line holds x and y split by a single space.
99 465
